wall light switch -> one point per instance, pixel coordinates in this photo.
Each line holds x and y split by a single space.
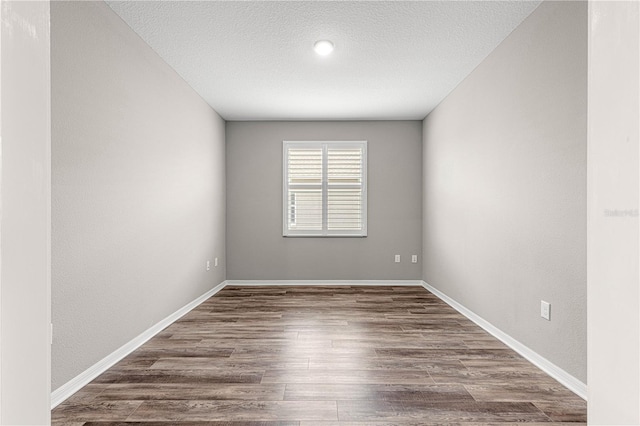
215 262
545 310
414 258
397 259
208 265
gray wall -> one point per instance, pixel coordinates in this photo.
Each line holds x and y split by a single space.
25 220
505 186
614 167
138 187
255 246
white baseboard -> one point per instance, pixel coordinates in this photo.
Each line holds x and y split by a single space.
324 282
74 385
573 384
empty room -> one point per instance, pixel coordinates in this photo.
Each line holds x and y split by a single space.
319 212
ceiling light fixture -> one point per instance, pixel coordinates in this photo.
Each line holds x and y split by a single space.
323 47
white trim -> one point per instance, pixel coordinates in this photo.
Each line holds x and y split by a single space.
572 383
386 283
74 385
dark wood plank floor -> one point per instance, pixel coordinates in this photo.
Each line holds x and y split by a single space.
322 356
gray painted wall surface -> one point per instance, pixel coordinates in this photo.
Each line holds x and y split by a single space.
25 135
505 186
613 182
255 246
138 187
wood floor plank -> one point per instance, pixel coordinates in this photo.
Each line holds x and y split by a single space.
380 363
449 354
189 423
230 364
431 422
348 334
386 392
347 376
190 391
272 343
397 343
560 410
238 334
544 390
439 412
325 356
298 351
185 351
96 410
172 411
179 376
478 377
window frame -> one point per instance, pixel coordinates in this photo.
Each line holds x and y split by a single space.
325 146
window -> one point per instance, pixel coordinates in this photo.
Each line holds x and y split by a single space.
325 189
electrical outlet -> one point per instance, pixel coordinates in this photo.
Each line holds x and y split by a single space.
545 310
397 259
414 258
208 265
215 262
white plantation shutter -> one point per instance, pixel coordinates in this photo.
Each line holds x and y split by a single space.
304 195
344 189
325 189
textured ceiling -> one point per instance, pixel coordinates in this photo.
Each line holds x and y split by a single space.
254 60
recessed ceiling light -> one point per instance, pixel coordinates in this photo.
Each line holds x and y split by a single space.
323 47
